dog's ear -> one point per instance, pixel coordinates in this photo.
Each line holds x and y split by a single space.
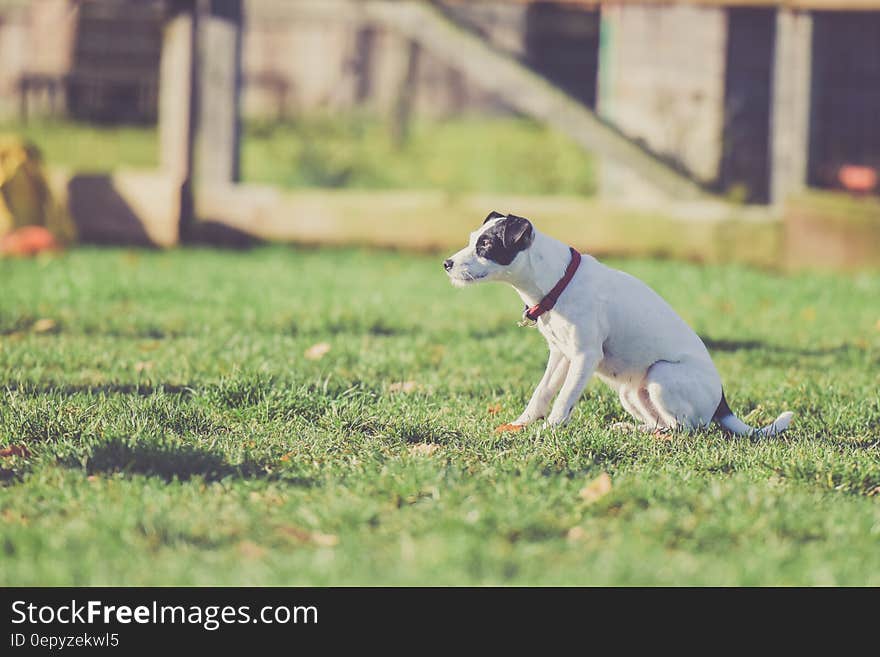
492 215
518 233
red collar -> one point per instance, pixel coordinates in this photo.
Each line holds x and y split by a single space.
549 301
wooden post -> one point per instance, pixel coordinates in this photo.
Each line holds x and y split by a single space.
219 125
790 110
406 91
363 63
177 102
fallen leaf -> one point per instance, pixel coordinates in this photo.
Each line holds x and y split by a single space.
286 457
576 534
43 325
403 386
509 428
423 449
301 535
15 450
317 351
325 540
250 550
596 489
494 409
13 516
296 533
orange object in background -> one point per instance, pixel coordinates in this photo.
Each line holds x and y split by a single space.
31 221
28 241
859 179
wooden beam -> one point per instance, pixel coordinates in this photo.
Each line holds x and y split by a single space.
832 5
177 98
705 230
218 135
526 91
790 104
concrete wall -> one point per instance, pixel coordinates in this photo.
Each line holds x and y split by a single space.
558 40
317 55
35 38
313 55
661 80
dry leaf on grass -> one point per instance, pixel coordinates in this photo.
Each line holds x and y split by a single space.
403 386
286 457
43 325
10 516
301 535
576 534
509 428
250 550
15 450
317 351
596 489
493 409
325 540
423 449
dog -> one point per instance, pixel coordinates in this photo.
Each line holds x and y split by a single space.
598 320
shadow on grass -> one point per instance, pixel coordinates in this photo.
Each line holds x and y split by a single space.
176 462
760 345
9 475
138 389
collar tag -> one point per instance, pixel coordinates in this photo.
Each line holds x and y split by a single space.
527 321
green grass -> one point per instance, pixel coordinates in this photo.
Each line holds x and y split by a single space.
178 435
458 156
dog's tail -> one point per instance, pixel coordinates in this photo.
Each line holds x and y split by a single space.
730 422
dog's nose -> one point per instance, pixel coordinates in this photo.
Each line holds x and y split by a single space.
447 264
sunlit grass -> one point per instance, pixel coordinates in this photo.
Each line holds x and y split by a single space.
177 434
505 155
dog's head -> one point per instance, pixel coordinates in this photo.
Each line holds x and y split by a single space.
493 251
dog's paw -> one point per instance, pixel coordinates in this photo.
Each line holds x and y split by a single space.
509 428
626 427
555 422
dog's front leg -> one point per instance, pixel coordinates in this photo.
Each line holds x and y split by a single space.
539 404
579 372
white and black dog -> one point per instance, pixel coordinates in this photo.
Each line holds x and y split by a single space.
603 321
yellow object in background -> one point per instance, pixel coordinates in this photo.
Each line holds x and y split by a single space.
25 198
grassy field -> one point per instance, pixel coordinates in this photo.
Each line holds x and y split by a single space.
457 156
184 423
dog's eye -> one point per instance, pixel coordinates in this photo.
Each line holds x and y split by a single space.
483 247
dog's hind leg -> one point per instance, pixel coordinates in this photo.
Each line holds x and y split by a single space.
554 375
685 394
640 408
